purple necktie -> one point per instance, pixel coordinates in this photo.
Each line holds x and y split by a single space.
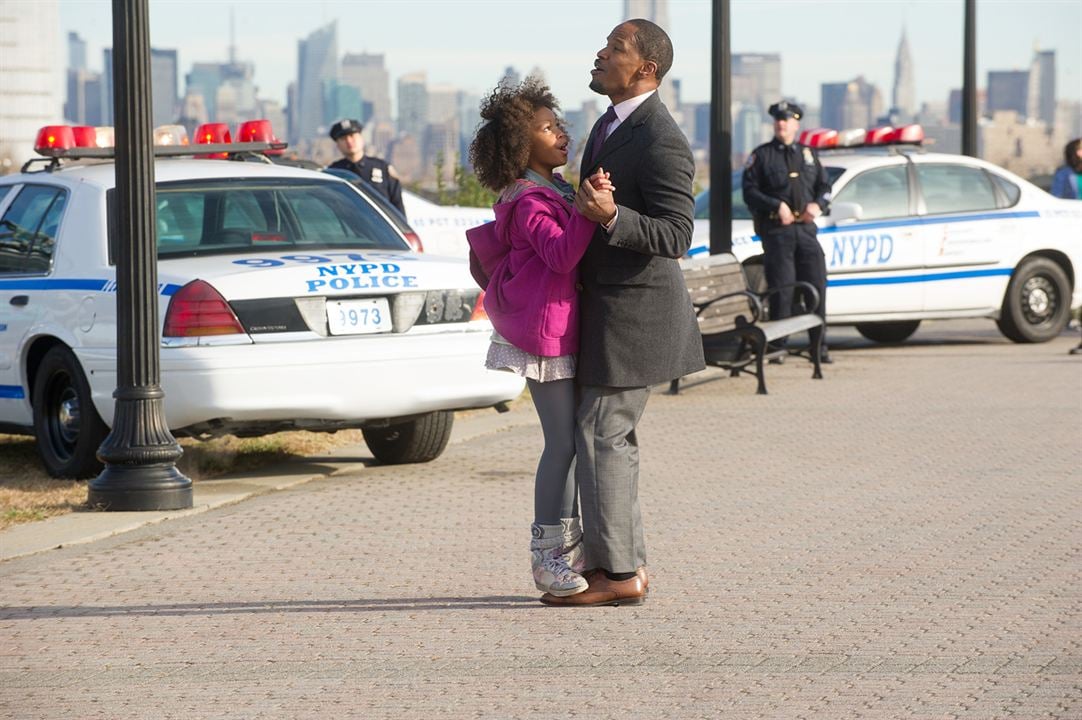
602 132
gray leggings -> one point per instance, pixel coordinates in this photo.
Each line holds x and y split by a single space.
555 493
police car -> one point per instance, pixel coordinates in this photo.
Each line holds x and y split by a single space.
913 235
287 300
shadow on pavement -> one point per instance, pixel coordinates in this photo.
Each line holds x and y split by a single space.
486 602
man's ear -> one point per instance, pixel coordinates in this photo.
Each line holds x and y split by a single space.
648 69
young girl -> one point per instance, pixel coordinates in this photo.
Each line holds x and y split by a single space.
526 262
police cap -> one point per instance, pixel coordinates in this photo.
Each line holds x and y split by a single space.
784 110
345 127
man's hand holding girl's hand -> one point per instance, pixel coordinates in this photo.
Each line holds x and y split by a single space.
594 199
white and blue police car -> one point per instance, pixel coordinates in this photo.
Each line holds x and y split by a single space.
287 300
913 235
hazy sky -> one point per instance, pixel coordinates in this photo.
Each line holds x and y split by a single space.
468 43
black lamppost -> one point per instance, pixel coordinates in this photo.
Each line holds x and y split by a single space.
721 133
140 453
969 81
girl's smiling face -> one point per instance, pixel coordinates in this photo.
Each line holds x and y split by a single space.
548 142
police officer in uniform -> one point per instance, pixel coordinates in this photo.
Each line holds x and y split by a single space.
375 171
786 188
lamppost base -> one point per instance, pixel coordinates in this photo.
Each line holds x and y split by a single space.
141 487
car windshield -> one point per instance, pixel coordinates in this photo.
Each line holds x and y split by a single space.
740 210
196 217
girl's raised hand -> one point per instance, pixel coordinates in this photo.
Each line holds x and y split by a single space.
600 181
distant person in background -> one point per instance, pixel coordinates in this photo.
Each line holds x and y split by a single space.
1067 182
375 171
786 188
527 263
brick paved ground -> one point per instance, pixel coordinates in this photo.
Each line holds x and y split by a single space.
908 547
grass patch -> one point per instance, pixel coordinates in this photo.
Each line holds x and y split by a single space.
27 493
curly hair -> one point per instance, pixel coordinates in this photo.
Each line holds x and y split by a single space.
1070 155
500 149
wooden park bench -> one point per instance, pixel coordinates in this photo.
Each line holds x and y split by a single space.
732 319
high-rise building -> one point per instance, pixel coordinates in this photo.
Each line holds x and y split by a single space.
31 79
1008 90
343 101
83 97
317 63
163 86
903 98
1041 97
756 79
228 90
656 11
413 105
76 52
954 105
748 130
367 73
443 103
511 77
853 104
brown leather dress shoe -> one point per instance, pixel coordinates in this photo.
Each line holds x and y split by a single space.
603 591
640 572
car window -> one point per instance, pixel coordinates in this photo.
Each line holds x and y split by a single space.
180 219
239 215
955 188
881 192
1010 191
740 208
20 225
242 211
41 252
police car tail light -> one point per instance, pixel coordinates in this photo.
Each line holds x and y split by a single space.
171 135
54 137
198 309
479 308
879 136
213 134
414 241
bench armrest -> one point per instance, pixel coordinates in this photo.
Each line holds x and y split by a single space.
806 286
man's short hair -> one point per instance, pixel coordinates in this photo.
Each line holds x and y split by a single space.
654 45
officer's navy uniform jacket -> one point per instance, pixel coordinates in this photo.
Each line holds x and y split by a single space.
377 173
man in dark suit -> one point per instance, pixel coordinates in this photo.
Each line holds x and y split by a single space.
637 325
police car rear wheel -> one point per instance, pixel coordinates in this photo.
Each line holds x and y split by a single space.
1035 308
416 441
888 332
67 427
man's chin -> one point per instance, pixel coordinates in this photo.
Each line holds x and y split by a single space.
597 87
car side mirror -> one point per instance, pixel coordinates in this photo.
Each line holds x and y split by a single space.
845 212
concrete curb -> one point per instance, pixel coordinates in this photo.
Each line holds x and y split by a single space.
85 527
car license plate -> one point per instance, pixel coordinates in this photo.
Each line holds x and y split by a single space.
358 317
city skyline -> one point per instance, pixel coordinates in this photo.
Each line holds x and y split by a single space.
566 58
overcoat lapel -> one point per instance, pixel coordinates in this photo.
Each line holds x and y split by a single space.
620 137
